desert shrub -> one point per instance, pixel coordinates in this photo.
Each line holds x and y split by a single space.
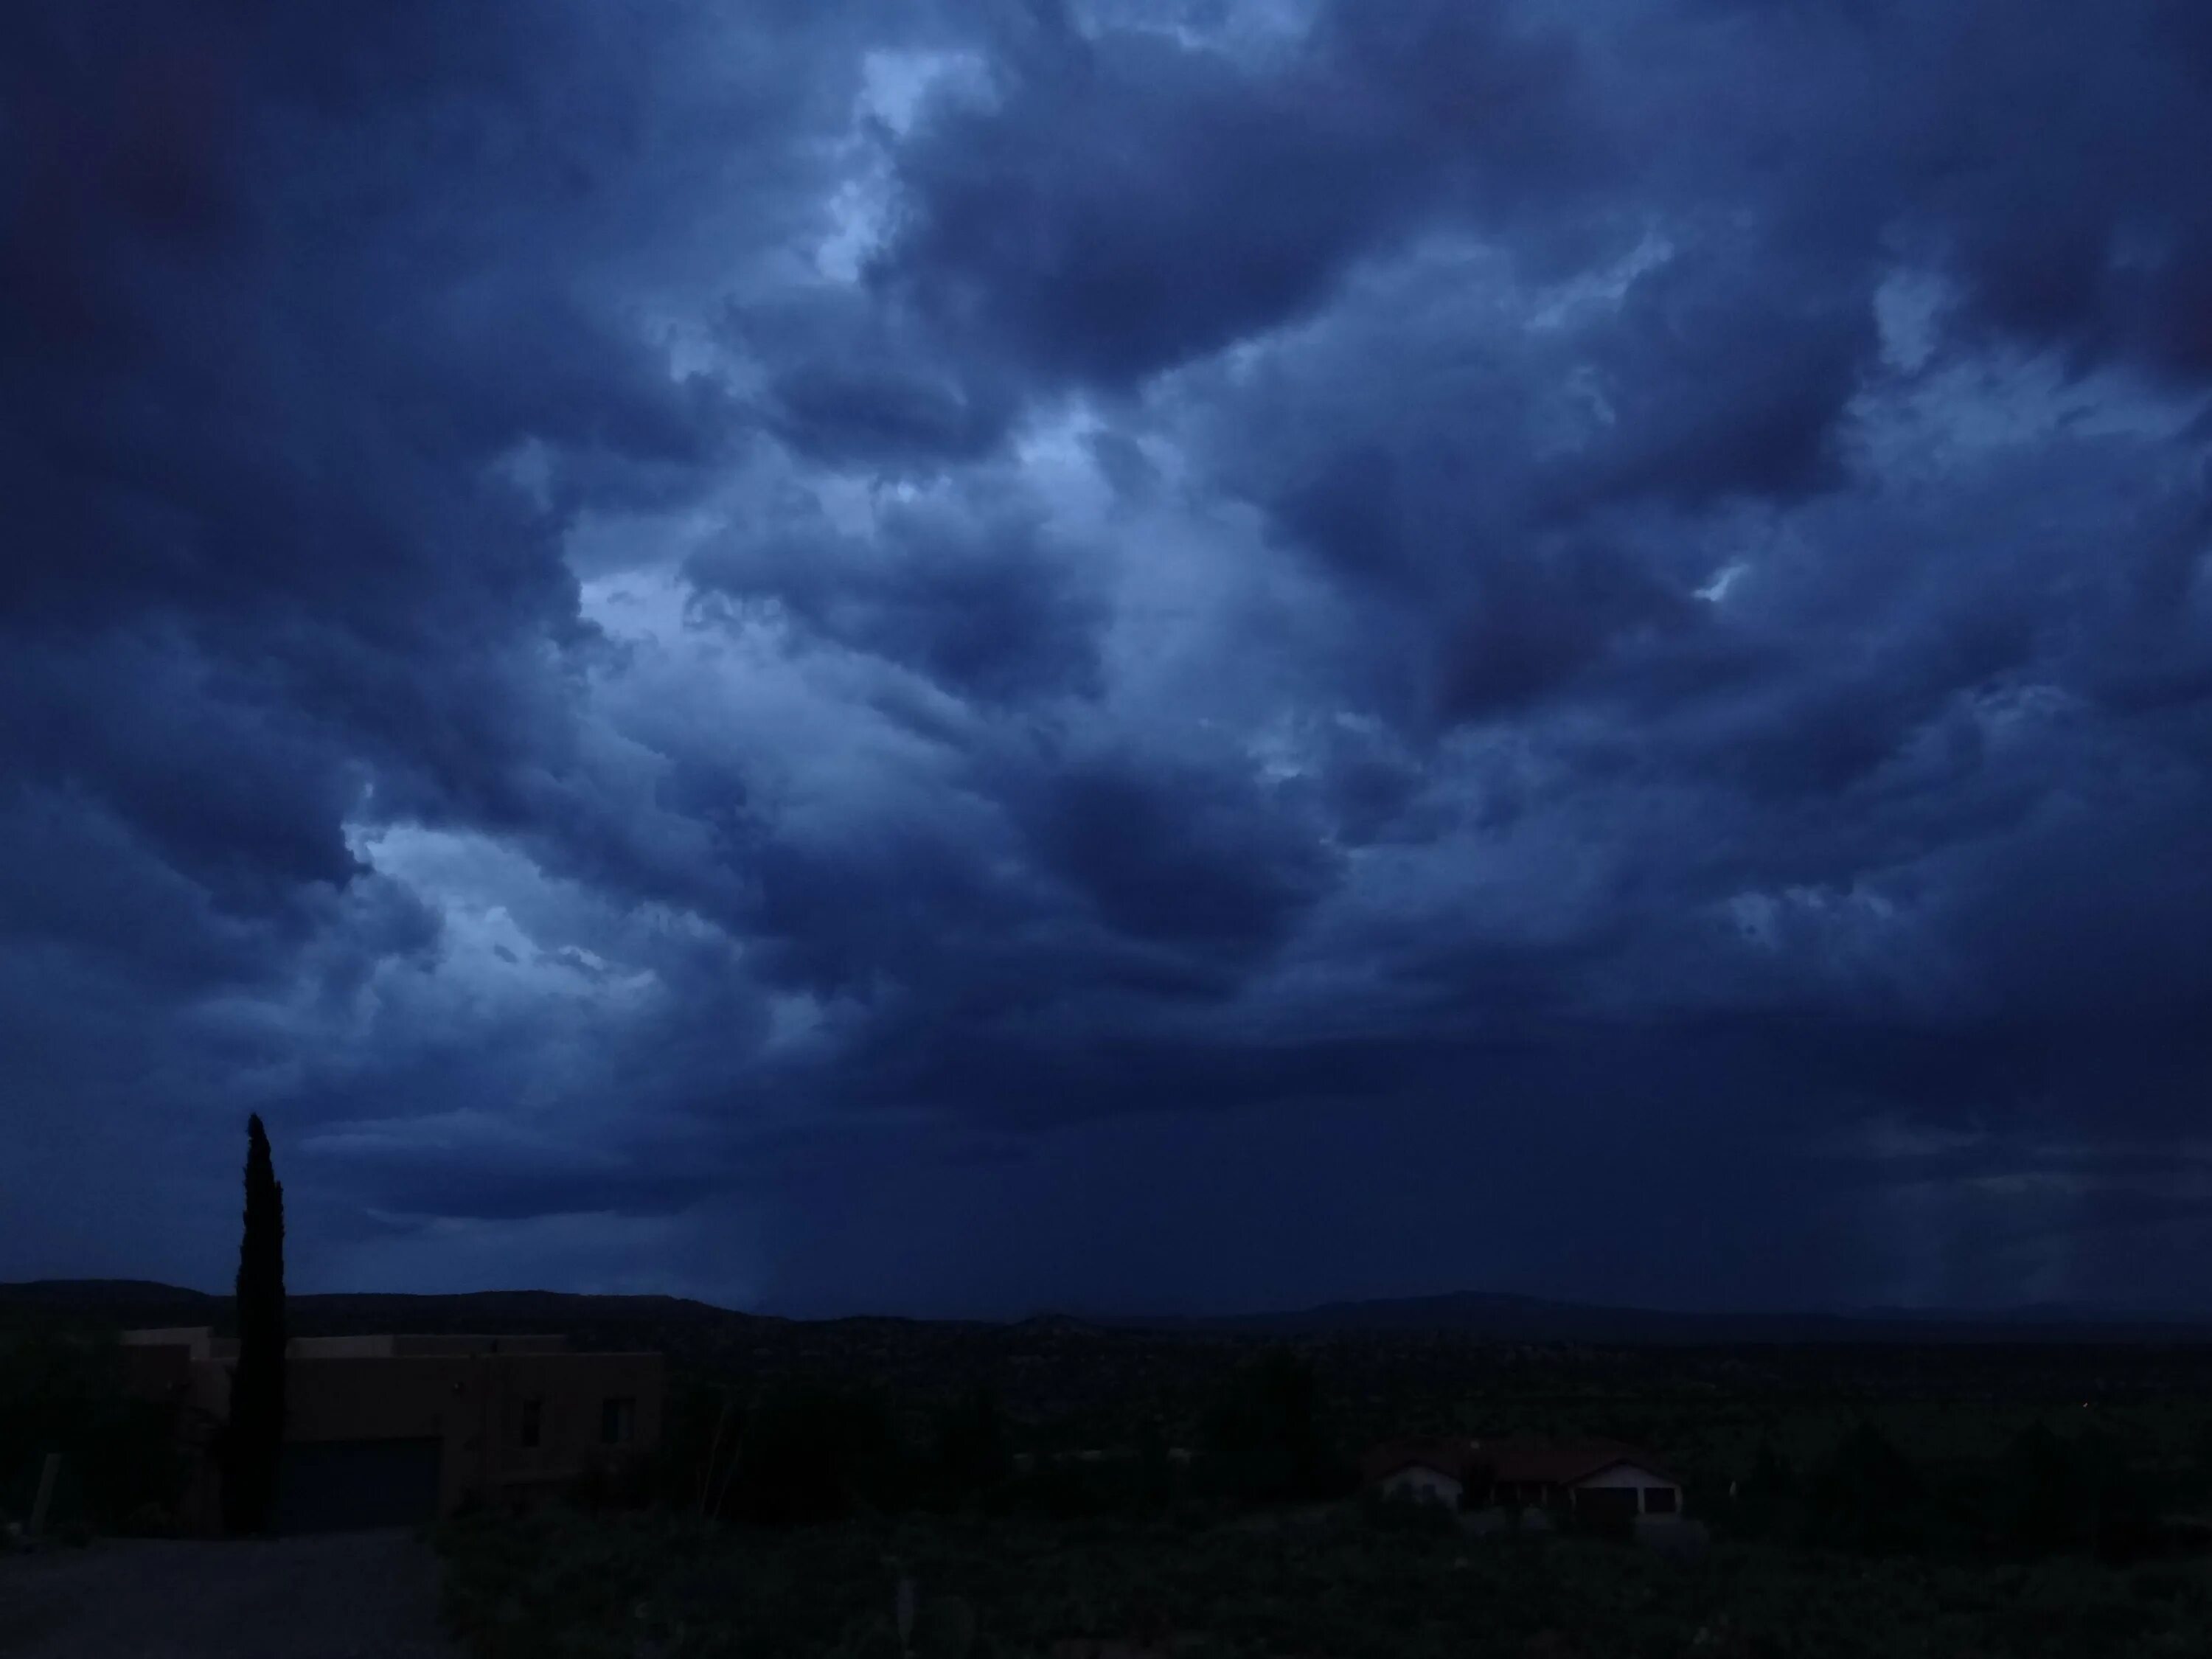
968 1461
1867 1497
625 1484
1137 1480
702 1425
1263 1440
1397 1513
2049 1493
1597 1528
2042 1494
813 1452
65 1393
1766 1502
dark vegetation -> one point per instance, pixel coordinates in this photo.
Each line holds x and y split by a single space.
1060 1480
1977 1475
1979 1501
59 1394
1063 1482
1329 1583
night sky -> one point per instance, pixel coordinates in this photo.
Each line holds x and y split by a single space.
1127 655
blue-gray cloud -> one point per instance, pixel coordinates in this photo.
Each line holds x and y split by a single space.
1086 644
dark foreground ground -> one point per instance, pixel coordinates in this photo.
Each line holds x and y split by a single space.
360 1596
1330 1582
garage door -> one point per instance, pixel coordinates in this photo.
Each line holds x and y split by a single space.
337 1486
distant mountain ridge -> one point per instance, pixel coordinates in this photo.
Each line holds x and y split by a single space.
1502 1317
128 1301
1478 1316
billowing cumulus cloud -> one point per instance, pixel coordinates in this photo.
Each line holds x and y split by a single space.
1131 653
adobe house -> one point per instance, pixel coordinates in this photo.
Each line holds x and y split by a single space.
383 1430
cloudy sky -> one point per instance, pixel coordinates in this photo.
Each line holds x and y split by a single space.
1121 655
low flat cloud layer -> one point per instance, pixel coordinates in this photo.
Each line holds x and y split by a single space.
1143 655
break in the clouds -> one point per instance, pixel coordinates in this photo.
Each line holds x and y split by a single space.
1153 654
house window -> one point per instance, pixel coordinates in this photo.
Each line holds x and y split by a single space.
617 1421
532 1425
1659 1500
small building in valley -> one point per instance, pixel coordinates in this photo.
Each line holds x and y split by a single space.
391 1430
1593 1480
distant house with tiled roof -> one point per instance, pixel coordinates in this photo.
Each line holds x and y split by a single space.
1597 1480
1602 1479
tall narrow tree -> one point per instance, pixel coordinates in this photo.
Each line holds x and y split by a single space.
256 1390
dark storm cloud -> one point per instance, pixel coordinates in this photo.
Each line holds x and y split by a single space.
2103 243
971 595
1539 621
480 1176
284 298
277 298
1140 623
1730 377
224 448
1128 203
2039 154
851 386
1188 859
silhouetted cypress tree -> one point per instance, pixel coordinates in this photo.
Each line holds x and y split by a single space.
256 1435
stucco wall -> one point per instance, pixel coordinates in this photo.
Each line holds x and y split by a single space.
476 1405
473 1399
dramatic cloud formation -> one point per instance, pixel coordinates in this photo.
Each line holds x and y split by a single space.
1142 653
